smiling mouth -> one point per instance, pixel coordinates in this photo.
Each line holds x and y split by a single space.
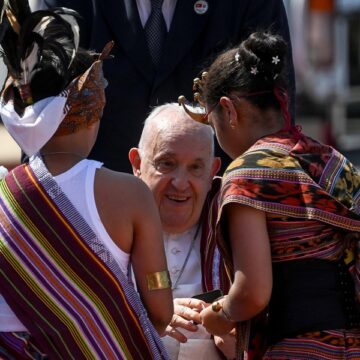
178 198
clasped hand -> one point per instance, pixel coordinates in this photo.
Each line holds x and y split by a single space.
186 316
189 312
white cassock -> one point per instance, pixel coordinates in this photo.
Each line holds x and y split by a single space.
200 345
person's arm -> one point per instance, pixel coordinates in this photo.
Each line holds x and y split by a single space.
148 256
252 285
128 212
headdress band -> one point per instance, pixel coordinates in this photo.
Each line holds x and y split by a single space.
78 106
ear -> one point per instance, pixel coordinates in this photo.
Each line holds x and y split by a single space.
135 160
230 110
215 166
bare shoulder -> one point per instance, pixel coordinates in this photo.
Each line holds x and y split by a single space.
125 205
122 188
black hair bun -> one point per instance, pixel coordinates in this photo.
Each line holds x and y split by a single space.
263 55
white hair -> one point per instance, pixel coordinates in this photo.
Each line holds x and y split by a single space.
174 115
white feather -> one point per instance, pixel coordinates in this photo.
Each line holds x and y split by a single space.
27 65
42 25
76 31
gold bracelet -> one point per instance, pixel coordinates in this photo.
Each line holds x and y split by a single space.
158 280
216 306
228 317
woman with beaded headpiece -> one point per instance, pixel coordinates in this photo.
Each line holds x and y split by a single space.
289 216
68 226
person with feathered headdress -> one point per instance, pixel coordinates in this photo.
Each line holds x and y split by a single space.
68 226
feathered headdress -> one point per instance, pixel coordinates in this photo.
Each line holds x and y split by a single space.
37 47
54 87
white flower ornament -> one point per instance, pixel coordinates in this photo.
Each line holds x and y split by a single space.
3 172
254 70
275 60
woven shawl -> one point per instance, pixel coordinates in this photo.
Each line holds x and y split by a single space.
296 182
311 195
213 271
61 281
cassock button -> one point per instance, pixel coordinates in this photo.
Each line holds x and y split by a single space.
174 270
175 251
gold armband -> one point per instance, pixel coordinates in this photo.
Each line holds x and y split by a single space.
158 280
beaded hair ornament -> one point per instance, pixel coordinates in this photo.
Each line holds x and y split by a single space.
280 93
199 113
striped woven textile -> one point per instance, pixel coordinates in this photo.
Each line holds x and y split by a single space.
214 275
320 345
19 346
61 281
310 192
311 195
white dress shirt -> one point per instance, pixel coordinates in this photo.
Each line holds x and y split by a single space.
177 247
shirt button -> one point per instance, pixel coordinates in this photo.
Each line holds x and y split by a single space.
175 251
174 270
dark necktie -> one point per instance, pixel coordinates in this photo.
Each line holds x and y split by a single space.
155 31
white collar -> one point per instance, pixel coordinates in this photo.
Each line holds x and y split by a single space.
187 234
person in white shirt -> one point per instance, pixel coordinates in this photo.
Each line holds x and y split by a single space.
175 158
69 227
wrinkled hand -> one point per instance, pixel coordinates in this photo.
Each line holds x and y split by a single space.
227 344
186 315
215 322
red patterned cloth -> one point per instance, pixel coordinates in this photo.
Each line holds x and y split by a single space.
311 196
213 271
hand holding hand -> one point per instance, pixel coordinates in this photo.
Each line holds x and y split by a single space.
186 315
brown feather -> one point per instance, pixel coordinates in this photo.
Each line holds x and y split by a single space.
13 21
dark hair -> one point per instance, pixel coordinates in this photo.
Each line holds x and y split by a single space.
257 65
42 56
50 80
60 77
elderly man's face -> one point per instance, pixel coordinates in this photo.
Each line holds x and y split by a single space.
179 171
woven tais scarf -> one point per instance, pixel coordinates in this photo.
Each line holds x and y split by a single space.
60 280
